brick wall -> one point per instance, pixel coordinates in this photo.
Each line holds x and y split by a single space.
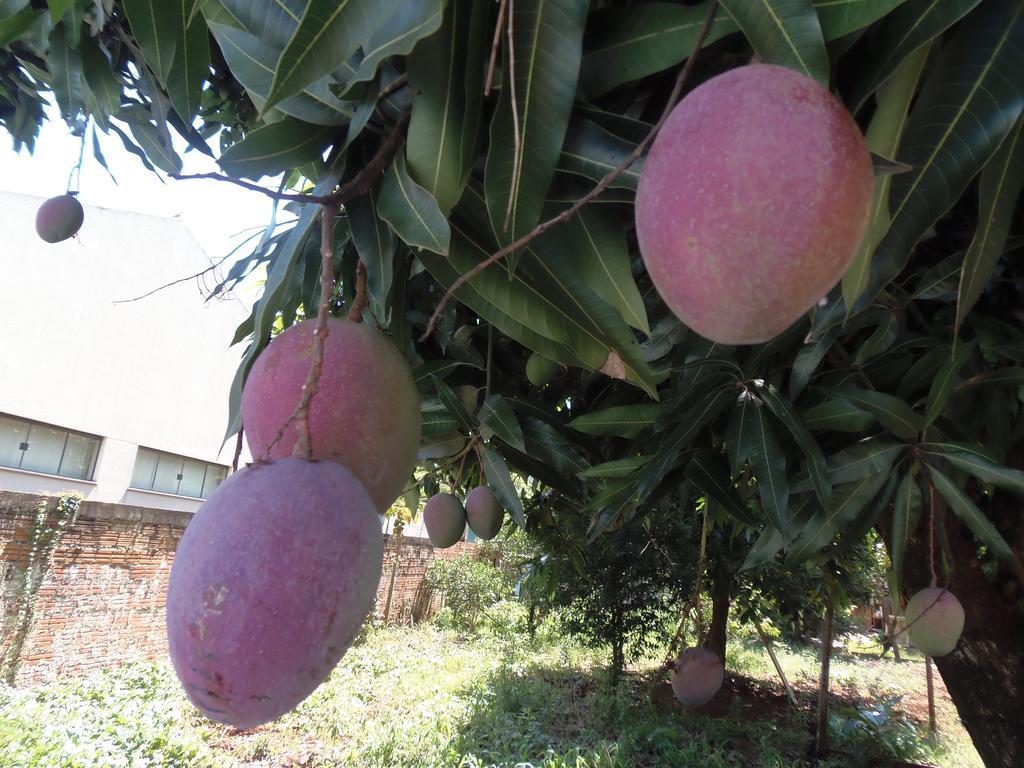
84 593
409 599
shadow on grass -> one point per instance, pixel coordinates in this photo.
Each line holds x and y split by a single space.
546 715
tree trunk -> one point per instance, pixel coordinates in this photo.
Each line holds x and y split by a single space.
719 616
826 657
985 673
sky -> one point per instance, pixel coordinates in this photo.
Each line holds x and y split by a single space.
217 213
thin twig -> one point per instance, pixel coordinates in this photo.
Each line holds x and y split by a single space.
602 185
697 618
393 86
173 282
358 185
355 314
238 452
490 352
303 443
297 197
494 47
931 533
517 146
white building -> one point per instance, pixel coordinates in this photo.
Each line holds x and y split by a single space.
124 402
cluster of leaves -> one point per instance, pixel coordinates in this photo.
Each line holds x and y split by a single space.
468 586
903 385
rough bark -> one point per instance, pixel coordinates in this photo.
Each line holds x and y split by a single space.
985 673
719 616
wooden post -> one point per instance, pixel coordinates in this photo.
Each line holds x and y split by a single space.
826 657
399 531
932 726
778 667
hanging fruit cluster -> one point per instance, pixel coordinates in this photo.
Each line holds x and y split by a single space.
279 568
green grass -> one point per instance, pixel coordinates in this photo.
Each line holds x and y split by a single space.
426 697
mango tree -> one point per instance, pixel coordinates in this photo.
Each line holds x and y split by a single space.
496 148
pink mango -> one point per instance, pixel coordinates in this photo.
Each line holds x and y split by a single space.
752 203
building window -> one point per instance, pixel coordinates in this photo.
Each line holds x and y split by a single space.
44 448
168 473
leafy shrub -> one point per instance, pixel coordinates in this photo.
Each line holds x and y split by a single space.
468 587
876 732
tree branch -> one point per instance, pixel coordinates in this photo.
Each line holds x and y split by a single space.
494 48
602 185
358 185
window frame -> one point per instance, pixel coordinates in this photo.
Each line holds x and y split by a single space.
180 474
97 439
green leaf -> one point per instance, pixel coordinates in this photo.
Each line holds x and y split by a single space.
970 101
592 151
547 41
611 500
883 337
274 148
1001 183
435 420
593 246
619 420
273 21
58 8
891 412
808 358
626 43
446 73
784 32
708 472
251 61
411 22
912 25
906 514
750 438
848 501
153 138
767 546
836 415
155 26
973 517
375 245
103 86
883 137
945 381
860 460
854 532
619 468
785 413
841 17
191 64
412 211
676 441
329 31
66 72
13 27
454 405
1010 376
497 414
553 447
498 477
974 462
